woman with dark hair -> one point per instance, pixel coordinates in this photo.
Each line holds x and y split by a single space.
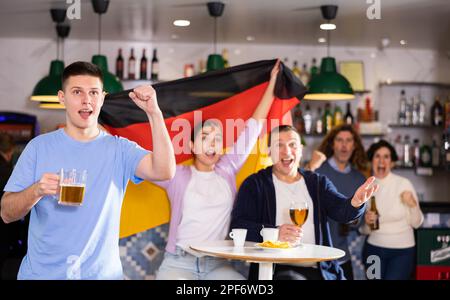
399 214
345 161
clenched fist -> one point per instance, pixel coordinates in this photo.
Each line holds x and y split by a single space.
145 98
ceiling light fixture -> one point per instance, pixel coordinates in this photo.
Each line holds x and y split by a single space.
182 23
327 26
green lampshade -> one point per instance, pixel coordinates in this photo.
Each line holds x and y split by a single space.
111 83
329 84
46 90
215 62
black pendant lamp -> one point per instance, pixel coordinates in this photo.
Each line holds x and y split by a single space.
111 83
215 61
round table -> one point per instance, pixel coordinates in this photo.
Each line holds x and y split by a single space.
306 253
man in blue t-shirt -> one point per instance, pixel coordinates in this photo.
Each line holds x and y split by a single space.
345 155
82 242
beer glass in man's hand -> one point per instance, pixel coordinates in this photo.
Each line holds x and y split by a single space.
298 212
72 185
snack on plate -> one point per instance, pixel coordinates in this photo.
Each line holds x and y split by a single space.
275 244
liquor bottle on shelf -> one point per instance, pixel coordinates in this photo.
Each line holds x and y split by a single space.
408 112
119 65
337 116
415 153
155 66
415 110
348 118
304 75
402 109
201 66
422 111
308 119
399 148
131 66
143 66
327 118
446 148
447 113
407 160
319 122
314 71
435 155
368 115
436 113
299 122
425 156
189 70
296 69
226 62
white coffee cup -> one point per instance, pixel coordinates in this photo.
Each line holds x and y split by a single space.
238 235
269 234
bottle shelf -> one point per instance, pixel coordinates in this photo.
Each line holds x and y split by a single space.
415 83
140 80
425 126
365 135
361 92
426 171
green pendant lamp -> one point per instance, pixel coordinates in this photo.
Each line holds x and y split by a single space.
46 90
215 61
111 83
329 85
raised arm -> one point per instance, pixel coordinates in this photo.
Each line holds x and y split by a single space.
263 108
160 164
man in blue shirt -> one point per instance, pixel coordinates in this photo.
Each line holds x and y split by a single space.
345 153
82 242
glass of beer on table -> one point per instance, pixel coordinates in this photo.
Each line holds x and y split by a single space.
72 185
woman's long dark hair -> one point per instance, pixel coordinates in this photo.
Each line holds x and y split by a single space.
358 158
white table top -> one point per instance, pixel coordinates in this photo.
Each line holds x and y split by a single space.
304 253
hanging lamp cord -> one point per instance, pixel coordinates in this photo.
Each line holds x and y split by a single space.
215 35
328 43
99 33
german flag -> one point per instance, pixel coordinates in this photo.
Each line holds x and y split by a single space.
228 94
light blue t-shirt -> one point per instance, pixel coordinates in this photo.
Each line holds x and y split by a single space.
66 242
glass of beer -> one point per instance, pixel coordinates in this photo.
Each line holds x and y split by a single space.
72 184
298 211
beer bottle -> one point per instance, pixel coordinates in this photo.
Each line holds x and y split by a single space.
373 207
